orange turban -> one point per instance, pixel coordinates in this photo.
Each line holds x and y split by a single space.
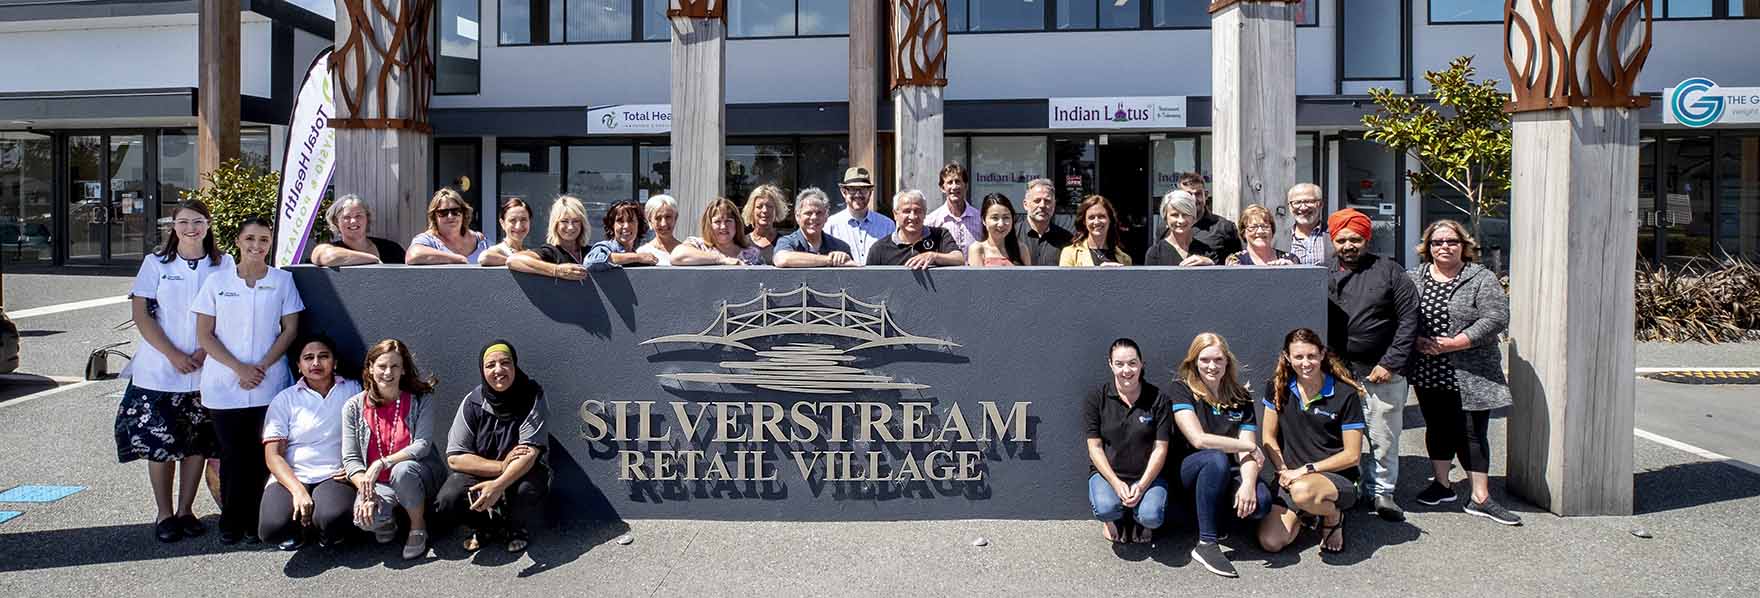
1349 219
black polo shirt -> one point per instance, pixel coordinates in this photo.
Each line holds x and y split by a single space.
1127 433
889 252
1309 432
1041 250
1217 233
1221 421
555 254
1163 253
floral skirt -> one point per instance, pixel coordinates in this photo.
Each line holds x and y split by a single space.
162 426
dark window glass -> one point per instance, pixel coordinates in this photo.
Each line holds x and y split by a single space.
1738 190
530 21
1466 11
1120 15
1076 14
655 175
822 164
655 25
956 15
824 17
1006 15
1744 8
751 165
1180 13
760 18
1676 9
457 70
455 162
27 178
530 170
598 20
1371 40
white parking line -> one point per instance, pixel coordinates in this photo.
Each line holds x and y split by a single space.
1701 453
38 395
66 307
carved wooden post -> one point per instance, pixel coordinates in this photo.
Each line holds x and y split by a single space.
864 83
1572 66
699 103
217 100
384 70
1253 108
919 73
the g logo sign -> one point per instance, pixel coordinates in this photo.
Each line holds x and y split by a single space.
1693 106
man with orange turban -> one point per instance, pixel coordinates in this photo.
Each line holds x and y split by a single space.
1372 324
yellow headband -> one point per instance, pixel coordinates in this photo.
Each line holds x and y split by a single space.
497 347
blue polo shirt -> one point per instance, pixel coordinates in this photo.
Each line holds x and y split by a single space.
797 241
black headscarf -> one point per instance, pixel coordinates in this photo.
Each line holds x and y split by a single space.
517 400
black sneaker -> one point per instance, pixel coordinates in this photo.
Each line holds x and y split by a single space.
1210 556
1493 511
1388 509
1436 494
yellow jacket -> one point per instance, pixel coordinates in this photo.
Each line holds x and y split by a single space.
1079 255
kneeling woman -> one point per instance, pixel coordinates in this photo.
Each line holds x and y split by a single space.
1214 414
496 451
1128 432
385 446
302 444
1313 437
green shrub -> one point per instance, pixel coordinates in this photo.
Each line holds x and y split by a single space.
236 191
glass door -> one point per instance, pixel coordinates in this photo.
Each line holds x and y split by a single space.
1371 181
110 204
88 218
128 197
1683 211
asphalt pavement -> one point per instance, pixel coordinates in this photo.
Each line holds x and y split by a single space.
1695 513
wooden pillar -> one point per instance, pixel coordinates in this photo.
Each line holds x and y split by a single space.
217 85
1574 217
1253 107
864 83
384 76
919 74
699 104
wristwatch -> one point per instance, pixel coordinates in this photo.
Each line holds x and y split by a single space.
1310 468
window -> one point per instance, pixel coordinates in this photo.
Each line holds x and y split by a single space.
532 171
1466 11
996 15
559 21
760 18
600 173
1098 14
530 22
1687 9
1371 38
823 17
1190 14
655 176
1003 165
761 163
456 70
27 179
822 163
598 20
655 26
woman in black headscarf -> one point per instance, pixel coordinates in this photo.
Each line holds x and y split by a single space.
496 452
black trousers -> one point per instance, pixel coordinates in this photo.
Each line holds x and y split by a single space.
522 506
242 471
332 511
1450 432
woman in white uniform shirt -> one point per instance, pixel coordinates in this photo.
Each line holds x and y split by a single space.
161 417
302 444
254 310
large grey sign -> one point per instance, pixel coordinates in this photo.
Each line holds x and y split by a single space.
858 394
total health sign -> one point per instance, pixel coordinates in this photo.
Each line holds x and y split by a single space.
629 119
1701 102
1153 112
309 161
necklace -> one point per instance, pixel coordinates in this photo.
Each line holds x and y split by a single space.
383 443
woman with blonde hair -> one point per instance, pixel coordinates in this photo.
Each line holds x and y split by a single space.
1219 447
1258 233
1313 440
516 221
564 254
721 240
449 238
765 207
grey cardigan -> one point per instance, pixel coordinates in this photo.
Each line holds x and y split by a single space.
1479 308
356 434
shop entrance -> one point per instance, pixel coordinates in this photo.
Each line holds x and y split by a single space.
111 199
1114 166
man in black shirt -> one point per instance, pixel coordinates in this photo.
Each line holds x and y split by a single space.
1215 231
1040 239
1372 321
911 244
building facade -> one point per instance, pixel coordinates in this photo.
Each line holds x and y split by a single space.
540 97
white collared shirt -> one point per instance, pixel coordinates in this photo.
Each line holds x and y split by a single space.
859 234
966 229
174 285
312 426
246 319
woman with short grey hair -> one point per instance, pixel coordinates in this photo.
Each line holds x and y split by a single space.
1458 375
1177 246
661 212
350 219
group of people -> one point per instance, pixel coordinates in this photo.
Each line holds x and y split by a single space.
306 454
990 233
1330 416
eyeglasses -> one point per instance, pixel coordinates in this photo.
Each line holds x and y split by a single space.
190 222
1446 242
1262 228
1305 202
449 212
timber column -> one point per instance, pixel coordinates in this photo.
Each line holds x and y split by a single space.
699 103
1572 66
919 74
864 83
217 87
384 75
1253 106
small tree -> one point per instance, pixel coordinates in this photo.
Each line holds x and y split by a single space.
1468 151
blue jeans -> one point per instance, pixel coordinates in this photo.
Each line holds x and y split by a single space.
1151 511
1211 477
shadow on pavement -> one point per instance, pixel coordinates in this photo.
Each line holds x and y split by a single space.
50 549
1689 485
551 547
13 386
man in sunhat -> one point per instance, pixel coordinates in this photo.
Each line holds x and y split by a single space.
857 224
1372 323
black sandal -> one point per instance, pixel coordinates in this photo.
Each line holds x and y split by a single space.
518 540
1326 533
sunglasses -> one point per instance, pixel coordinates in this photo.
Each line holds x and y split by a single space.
1446 242
449 212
